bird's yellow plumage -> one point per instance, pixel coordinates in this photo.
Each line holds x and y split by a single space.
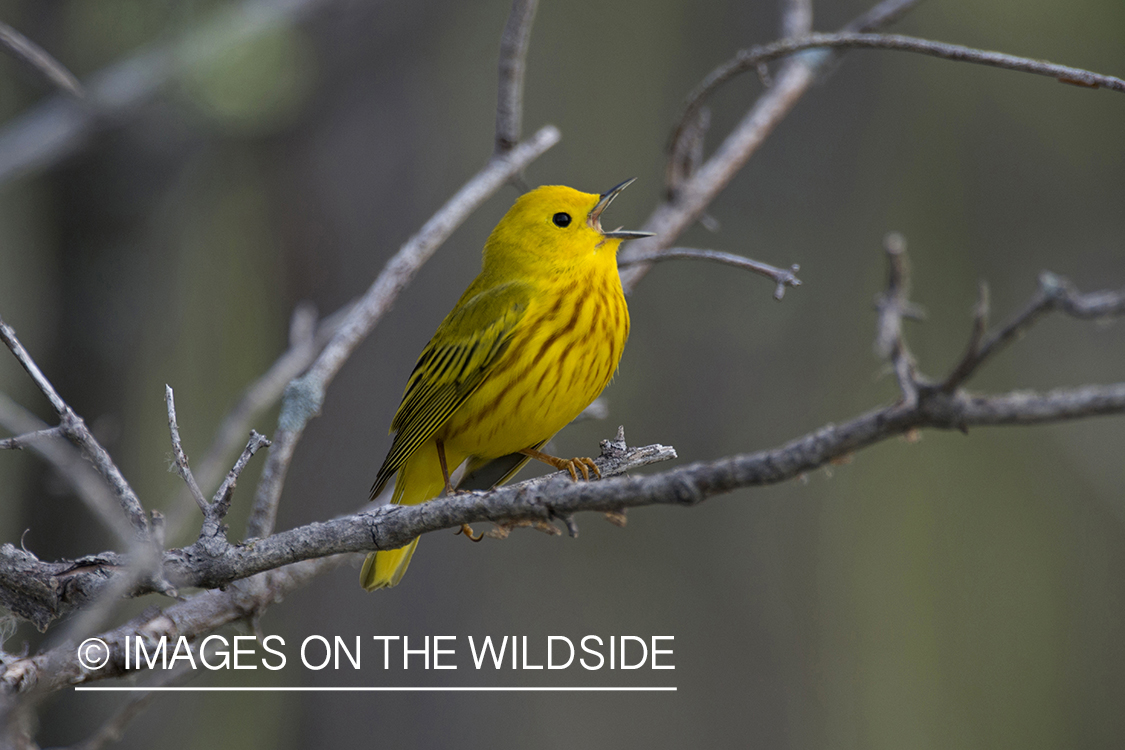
532 341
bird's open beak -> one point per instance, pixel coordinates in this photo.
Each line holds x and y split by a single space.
594 219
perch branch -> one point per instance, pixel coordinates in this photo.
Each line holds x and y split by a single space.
550 497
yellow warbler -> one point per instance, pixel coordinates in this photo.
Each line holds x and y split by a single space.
532 341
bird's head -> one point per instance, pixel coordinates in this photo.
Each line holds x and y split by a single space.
555 225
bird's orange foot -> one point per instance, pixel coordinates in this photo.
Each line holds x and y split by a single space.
467 530
573 465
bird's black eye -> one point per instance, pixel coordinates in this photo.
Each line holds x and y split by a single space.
561 219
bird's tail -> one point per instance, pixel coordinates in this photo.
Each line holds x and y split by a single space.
385 569
420 479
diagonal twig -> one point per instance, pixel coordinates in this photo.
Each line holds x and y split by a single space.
31 53
513 64
893 306
19 442
180 460
221 502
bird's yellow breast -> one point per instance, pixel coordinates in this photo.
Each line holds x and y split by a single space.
561 357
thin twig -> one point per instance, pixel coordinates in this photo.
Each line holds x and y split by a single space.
893 305
965 367
780 276
513 64
31 53
19 442
180 458
304 396
221 502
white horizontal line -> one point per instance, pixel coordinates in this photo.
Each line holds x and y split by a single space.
369 689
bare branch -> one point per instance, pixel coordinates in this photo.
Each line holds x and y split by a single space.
8 336
47 590
78 433
259 396
31 53
304 396
221 502
513 62
780 276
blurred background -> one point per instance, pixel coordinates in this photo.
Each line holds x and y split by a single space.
959 591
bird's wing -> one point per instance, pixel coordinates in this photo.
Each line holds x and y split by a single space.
451 367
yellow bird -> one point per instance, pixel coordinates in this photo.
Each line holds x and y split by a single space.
532 341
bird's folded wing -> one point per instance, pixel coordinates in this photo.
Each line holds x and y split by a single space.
452 366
